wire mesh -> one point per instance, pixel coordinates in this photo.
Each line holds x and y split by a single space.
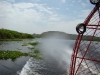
86 56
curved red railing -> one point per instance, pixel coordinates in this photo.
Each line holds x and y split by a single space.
85 59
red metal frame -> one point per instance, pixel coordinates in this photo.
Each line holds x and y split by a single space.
74 57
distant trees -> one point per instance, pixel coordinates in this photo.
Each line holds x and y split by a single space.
10 34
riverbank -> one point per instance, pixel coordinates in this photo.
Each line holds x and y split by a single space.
11 34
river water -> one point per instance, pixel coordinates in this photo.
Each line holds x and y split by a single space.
56 54
53 64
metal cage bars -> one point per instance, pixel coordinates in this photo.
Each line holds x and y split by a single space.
83 61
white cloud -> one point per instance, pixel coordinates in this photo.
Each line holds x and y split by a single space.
87 1
79 0
67 8
63 1
57 8
37 0
84 13
73 1
34 18
71 4
66 26
83 4
8 0
23 5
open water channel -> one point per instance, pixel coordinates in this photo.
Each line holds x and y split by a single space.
57 55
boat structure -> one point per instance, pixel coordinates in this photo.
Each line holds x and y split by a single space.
85 59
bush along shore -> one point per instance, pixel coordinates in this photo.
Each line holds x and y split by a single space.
11 35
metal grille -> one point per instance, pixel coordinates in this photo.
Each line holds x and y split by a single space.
86 53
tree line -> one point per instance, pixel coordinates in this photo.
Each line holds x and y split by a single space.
10 34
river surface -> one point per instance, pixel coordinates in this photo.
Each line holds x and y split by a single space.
57 53
9 67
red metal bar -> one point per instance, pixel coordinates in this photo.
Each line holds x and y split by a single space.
74 67
86 64
85 51
88 59
87 48
77 44
71 66
93 25
91 14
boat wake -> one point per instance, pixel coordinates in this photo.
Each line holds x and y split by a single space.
42 67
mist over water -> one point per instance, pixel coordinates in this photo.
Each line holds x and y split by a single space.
56 52
56 49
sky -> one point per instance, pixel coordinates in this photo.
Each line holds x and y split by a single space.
38 16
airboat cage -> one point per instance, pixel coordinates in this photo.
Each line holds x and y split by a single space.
85 59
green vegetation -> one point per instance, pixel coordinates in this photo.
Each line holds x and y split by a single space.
24 44
10 34
37 51
33 43
10 39
30 43
6 54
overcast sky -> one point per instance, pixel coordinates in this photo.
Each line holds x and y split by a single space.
37 16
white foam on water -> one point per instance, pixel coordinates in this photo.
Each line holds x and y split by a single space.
52 48
59 50
30 68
